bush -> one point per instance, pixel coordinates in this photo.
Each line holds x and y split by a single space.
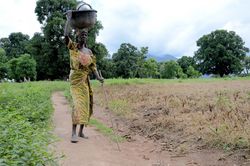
192 73
3 66
21 68
172 69
25 116
3 71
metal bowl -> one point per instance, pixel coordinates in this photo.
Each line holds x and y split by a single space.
83 19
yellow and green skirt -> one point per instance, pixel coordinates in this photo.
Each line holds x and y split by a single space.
82 96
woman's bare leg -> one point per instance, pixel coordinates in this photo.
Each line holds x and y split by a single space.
80 134
74 136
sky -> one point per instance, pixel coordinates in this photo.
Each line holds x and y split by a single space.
165 26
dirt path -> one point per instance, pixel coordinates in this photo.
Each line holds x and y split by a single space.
99 150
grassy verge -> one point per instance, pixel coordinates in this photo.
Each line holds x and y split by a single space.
106 131
25 122
166 81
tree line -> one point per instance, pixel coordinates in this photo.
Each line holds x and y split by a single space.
45 56
23 58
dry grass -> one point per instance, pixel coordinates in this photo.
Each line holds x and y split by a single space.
120 107
186 115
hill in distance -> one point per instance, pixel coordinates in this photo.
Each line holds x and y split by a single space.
163 58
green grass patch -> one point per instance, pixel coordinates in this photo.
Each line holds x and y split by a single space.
106 131
25 122
165 81
233 141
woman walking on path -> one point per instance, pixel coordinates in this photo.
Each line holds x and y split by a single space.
82 63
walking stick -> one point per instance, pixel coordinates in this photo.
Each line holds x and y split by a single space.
110 117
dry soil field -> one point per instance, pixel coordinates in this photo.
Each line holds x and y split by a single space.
184 116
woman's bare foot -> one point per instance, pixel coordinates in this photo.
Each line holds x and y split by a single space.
82 135
74 139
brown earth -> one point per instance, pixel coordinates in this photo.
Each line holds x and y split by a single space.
139 150
186 117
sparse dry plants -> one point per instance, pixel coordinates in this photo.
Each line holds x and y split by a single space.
186 115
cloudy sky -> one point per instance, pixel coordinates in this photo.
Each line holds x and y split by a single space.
165 26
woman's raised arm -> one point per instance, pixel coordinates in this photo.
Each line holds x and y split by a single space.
67 28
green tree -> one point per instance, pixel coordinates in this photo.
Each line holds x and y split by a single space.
37 48
23 67
246 64
12 66
3 66
128 60
180 73
220 52
107 68
49 9
171 69
93 33
50 14
15 44
5 43
26 67
185 62
151 68
142 55
192 73
3 71
3 57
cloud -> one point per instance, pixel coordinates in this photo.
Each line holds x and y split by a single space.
241 28
18 16
165 26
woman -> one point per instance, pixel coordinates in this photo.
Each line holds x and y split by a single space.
82 63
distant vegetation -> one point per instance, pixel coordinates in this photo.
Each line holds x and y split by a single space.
221 52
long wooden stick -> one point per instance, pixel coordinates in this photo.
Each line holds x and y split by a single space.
110 117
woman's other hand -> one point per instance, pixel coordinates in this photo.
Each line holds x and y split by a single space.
101 79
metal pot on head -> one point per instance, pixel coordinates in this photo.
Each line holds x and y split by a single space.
83 17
